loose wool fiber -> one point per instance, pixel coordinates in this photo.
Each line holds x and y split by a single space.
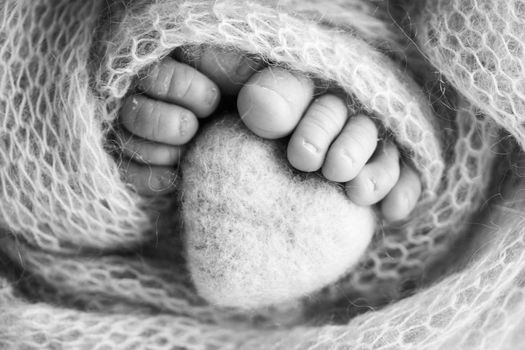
258 233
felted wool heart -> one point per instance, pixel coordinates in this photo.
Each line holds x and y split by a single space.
257 232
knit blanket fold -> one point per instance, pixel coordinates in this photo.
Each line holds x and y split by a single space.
90 264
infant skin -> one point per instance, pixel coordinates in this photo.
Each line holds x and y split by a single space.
273 103
258 232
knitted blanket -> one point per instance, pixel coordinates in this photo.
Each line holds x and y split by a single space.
88 263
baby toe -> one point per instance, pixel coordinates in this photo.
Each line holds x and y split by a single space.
158 121
402 199
181 84
273 101
146 151
229 69
376 178
321 123
150 180
351 150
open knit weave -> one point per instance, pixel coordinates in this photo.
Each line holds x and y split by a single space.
87 263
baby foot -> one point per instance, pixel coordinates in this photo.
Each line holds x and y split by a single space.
272 103
162 117
276 102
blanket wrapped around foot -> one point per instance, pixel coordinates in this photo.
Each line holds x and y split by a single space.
87 263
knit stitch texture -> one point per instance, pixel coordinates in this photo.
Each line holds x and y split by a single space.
87 263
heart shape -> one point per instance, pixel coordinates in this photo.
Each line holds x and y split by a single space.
257 232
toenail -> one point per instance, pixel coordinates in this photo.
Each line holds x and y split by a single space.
405 200
310 147
134 103
183 123
348 156
372 184
211 96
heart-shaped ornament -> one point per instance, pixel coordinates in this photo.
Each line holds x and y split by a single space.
257 232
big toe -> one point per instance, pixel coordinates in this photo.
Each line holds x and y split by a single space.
229 69
273 101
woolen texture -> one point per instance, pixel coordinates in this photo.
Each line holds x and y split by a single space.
277 235
90 264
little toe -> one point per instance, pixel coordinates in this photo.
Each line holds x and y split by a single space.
402 199
150 180
158 121
181 84
351 150
146 151
273 101
321 123
228 68
376 178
